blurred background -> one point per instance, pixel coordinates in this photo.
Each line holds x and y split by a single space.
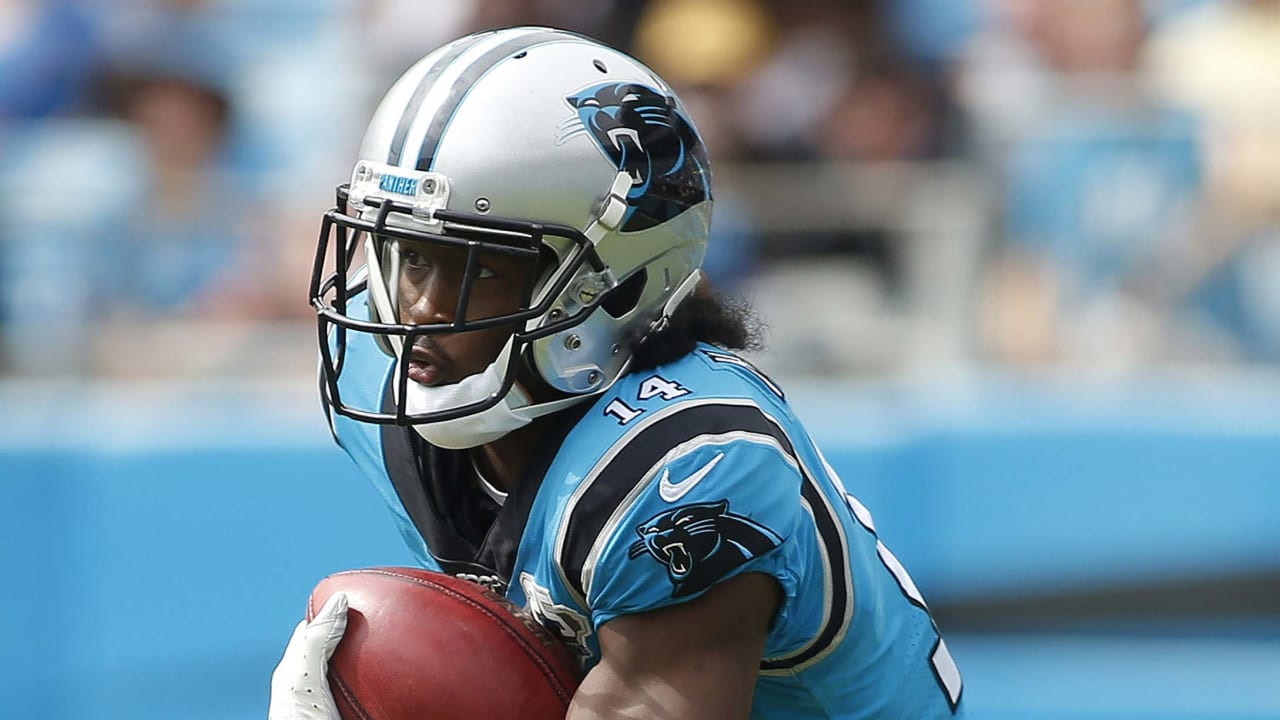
1019 262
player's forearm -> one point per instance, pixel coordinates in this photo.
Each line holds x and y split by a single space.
605 694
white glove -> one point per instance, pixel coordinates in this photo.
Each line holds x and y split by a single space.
300 683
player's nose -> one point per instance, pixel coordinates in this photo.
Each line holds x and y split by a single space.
433 300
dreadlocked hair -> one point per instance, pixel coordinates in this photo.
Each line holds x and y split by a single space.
705 316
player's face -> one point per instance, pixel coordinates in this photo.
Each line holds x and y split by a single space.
430 282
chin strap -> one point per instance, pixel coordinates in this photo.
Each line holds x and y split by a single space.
685 289
536 411
512 412
612 211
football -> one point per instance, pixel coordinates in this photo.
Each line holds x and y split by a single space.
422 644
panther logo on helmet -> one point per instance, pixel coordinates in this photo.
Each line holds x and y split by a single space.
645 135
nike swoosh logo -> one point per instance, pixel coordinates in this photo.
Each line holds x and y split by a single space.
672 492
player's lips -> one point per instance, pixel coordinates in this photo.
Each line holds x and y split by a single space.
426 366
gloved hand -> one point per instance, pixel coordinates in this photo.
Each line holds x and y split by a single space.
300 683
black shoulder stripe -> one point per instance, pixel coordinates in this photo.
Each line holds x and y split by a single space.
414 477
725 358
835 623
420 93
609 484
463 85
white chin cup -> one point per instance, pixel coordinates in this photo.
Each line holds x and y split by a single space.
512 412
477 428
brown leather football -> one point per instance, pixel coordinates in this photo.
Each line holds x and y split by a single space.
421 644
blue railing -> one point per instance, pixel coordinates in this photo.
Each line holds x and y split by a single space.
157 553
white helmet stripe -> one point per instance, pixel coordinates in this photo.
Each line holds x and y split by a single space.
466 70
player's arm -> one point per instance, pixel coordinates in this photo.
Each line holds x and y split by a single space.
693 660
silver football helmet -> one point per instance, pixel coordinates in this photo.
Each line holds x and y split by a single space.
530 142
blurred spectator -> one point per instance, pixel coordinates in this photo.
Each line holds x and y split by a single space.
175 267
181 245
889 112
1101 186
111 226
1222 62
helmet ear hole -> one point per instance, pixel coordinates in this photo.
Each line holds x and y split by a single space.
624 298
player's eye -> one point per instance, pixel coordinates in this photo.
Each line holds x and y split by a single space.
484 273
414 259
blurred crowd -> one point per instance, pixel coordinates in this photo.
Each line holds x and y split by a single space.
1029 184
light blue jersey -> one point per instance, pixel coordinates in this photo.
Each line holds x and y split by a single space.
676 479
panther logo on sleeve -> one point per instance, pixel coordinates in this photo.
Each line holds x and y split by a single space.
700 543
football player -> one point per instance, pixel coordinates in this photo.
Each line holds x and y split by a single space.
527 364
